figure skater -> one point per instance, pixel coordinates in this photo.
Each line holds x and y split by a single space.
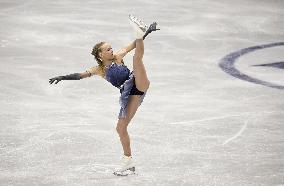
133 85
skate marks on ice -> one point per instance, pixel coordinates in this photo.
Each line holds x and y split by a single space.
248 118
188 122
238 133
227 64
102 168
101 171
36 141
204 120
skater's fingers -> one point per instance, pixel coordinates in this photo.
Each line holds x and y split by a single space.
154 24
51 81
57 81
155 29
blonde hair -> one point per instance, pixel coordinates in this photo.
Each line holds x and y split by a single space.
95 52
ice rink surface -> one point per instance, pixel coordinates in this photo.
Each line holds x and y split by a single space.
198 124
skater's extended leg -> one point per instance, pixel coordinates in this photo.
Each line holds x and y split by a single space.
141 80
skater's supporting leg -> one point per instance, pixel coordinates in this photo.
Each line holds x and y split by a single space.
132 106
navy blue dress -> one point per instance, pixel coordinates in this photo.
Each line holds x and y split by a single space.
121 77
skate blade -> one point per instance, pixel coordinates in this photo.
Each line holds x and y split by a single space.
130 171
137 22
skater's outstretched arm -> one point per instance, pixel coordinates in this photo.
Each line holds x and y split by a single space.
75 76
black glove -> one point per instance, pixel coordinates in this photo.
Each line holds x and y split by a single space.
57 79
75 76
151 28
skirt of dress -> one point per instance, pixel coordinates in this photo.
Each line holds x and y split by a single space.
123 100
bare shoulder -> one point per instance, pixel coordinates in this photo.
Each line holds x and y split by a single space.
95 70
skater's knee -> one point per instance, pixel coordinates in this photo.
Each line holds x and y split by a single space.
121 127
122 131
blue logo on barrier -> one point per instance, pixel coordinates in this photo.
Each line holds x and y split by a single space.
276 65
227 65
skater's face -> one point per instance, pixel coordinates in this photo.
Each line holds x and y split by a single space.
106 53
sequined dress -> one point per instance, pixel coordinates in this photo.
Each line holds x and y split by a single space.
121 77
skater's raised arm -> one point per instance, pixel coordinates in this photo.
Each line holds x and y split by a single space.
123 51
130 46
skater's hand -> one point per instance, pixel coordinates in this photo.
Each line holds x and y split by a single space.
74 76
57 79
152 27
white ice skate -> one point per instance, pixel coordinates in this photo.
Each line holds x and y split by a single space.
138 25
127 167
